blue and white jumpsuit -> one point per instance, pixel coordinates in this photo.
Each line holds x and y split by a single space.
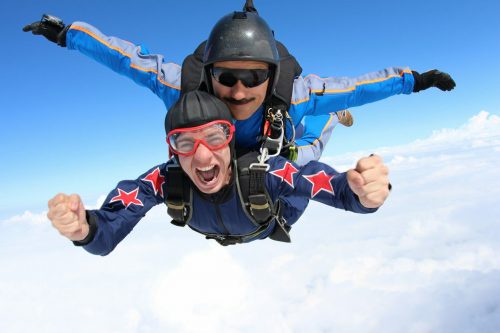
314 99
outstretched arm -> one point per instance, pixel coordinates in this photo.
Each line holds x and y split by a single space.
99 231
123 57
362 189
314 95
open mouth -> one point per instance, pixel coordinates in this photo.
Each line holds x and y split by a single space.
208 175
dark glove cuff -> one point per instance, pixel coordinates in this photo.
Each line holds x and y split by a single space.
61 37
417 85
91 220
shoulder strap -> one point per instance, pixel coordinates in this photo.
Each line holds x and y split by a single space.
289 70
178 195
252 189
192 70
256 200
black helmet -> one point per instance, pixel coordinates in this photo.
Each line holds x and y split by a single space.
242 36
196 108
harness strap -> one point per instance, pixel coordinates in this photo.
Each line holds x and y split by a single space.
280 232
259 204
177 193
232 239
251 184
281 229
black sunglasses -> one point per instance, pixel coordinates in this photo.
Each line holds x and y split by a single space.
249 77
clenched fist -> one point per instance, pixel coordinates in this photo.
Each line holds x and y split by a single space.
370 181
67 214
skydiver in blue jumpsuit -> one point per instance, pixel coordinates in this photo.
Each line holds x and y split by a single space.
200 135
243 72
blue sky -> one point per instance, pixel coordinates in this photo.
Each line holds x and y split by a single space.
65 115
430 254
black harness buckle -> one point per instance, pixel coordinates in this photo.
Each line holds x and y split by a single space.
225 240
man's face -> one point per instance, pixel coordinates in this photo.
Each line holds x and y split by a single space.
208 169
241 100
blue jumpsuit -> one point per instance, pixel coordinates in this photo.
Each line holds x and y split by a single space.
312 95
287 182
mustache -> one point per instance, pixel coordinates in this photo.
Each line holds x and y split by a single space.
238 101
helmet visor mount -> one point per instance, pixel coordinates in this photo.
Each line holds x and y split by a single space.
214 135
250 78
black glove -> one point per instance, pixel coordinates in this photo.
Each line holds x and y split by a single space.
433 78
50 27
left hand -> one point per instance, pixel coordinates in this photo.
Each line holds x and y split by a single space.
370 181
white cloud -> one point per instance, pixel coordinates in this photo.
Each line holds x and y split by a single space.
482 131
183 298
28 218
426 262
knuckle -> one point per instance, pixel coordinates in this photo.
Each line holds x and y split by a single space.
376 159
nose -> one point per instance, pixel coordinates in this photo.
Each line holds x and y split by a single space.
238 91
202 154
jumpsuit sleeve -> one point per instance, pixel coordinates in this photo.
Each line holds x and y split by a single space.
315 99
311 141
313 95
123 208
132 61
314 181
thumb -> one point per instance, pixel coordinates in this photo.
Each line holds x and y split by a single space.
31 27
74 202
355 181
81 213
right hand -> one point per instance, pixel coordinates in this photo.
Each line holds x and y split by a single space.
67 214
370 181
50 27
433 78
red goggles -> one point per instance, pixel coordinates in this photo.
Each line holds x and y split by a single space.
213 135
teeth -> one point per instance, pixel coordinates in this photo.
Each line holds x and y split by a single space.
208 168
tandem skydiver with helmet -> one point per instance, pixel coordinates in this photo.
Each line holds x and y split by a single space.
252 77
217 191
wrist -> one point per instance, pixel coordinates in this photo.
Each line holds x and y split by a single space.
61 37
92 227
417 85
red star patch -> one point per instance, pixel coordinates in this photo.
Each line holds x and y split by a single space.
286 173
156 180
320 182
127 198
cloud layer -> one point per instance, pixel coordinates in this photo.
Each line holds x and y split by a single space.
426 262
